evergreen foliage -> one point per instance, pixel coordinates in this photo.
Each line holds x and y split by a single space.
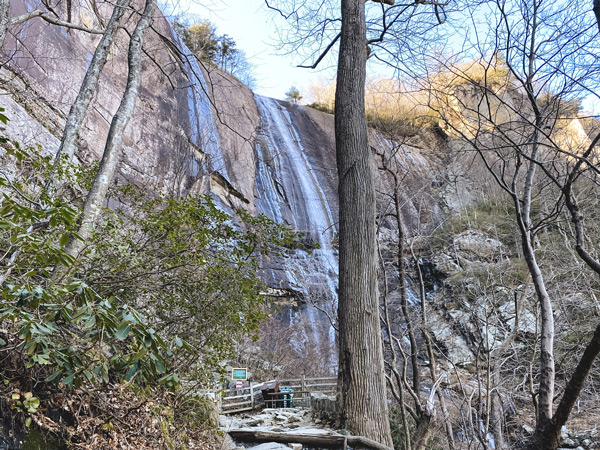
185 263
293 95
220 50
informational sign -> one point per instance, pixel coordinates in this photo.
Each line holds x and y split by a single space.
239 384
239 374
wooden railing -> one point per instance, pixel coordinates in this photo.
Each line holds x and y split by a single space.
250 395
237 400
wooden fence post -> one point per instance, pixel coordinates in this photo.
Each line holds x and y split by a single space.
303 389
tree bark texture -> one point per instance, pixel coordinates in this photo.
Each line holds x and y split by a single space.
423 431
112 150
362 395
549 437
88 87
547 367
4 20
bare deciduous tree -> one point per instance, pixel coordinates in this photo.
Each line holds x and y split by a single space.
515 103
88 87
112 150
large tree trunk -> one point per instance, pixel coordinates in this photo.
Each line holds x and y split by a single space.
361 381
112 150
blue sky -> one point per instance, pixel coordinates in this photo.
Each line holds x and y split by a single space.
254 28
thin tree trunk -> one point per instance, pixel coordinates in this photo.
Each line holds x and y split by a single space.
496 413
362 398
550 438
88 87
523 209
402 280
423 431
110 158
447 422
424 420
394 375
547 368
4 20
431 354
546 388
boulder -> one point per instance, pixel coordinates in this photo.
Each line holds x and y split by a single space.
476 245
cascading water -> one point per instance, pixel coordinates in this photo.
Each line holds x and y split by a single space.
203 131
289 190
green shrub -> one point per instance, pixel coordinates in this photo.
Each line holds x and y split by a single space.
188 265
62 324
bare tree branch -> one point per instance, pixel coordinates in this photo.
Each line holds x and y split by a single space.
52 20
320 58
113 147
4 20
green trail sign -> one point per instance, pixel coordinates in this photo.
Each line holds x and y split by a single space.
239 374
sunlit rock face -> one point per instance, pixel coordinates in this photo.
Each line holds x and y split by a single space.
171 144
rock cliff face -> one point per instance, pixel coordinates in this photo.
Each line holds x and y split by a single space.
197 130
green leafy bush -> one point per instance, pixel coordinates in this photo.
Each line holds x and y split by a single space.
193 267
187 264
57 321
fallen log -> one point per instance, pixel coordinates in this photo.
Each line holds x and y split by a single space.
364 442
308 440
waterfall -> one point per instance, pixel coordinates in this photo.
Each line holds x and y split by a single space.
289 190
203 130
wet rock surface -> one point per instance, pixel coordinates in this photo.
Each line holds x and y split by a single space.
583 439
